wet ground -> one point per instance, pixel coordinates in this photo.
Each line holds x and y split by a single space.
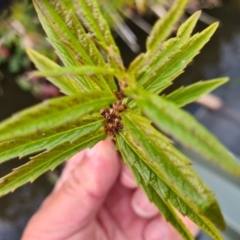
221 57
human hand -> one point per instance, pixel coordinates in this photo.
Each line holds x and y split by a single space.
97 198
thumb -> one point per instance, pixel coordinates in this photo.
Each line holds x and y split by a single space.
75 204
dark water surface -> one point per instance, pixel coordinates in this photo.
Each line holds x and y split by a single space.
221 57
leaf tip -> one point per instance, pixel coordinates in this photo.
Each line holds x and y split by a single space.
225 79
28 50
2 180
214 214
197 14
215 25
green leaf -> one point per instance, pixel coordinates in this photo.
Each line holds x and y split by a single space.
88 46
169 48
176 64
96 24
66 84
92 18
164 206
164 26
185 95
138 162
86 69
173 167
46 161
186 29
65 34
184 128
165 209
160 32
22 147
61 46
80 34
63 24
53 113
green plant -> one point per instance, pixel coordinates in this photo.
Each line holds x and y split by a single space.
106 99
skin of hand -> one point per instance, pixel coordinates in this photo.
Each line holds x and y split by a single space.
97 198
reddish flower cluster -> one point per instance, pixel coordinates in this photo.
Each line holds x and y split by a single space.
113 119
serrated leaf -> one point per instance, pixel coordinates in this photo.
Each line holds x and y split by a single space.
160 32
91 16
176 64
169 48
53 113
92 72
62 21
184 128
27 145
62 50
67 14
46 161
96 24
136 159
193 92
173 168
66 84
80 34
86 69
164 207
65 34
164 26
186 29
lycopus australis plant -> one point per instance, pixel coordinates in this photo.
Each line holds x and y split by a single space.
104 98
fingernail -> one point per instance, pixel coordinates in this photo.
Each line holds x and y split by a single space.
128 180
142 206
103 148
156 230
96 150
92 151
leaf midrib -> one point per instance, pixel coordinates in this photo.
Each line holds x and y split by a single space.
67 112
47 162
36 142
